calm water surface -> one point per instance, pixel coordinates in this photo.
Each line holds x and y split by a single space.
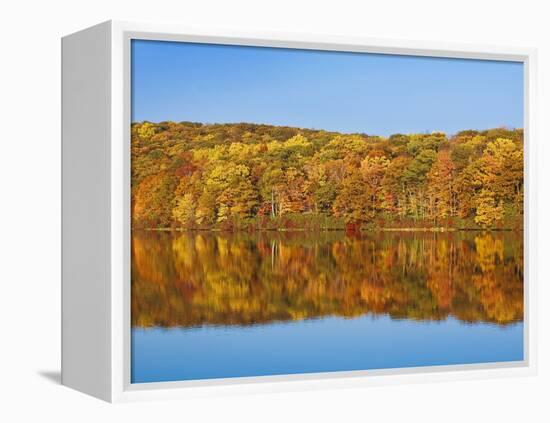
212 305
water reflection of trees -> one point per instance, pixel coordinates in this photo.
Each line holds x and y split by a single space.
193 279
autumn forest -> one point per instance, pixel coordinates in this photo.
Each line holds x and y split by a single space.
247 176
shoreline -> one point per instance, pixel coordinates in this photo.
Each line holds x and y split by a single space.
434 229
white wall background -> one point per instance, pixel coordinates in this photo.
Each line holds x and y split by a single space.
30 207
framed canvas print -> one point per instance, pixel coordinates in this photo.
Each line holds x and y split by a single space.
251 212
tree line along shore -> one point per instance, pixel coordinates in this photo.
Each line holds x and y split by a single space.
245 176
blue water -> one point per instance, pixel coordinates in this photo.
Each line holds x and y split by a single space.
323 345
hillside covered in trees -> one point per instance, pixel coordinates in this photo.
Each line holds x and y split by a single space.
249 176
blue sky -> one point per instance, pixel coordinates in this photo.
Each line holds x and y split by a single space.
347 92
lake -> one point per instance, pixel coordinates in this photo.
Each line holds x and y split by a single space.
215 304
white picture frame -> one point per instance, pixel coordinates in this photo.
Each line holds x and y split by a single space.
96 227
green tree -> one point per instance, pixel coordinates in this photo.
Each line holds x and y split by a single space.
394 186
414 178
